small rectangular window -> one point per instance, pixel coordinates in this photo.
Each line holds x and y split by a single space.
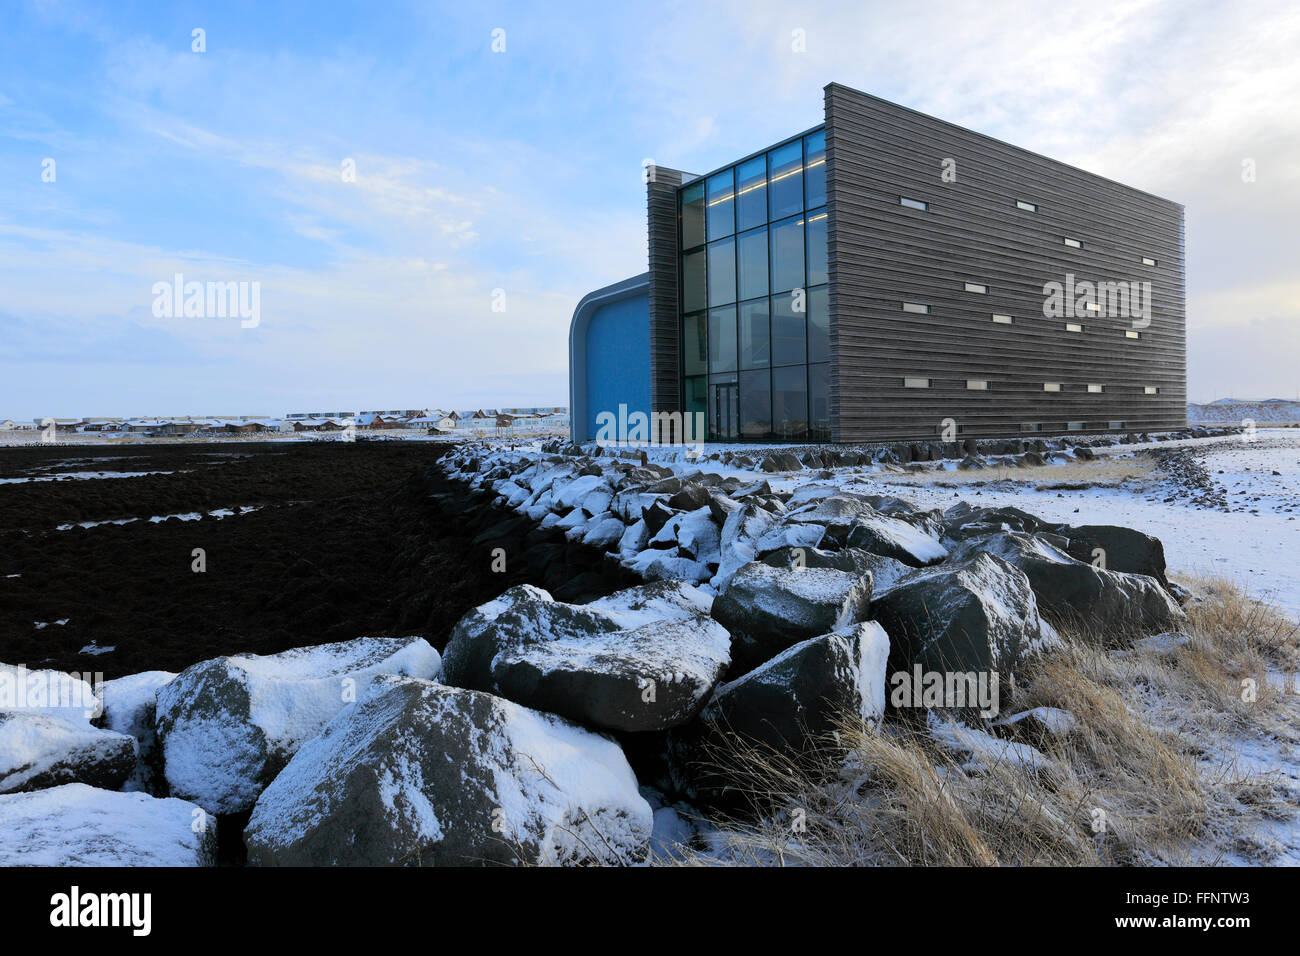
1003 319
1027 206
915 307
1151 390
1130 334
1030 427
916 383
977 384
1093 307
1148 261
1051 386
1096 389
913 203
1073 243
1073 327
977 287
1115 425
1074 426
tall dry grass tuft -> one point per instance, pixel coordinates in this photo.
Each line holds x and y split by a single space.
1147 774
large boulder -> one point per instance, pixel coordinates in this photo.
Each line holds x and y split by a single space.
977 615
1073 594
963 521
419 773
642 659
801 694
79 825
837 513
1123 549
130 707
741 532
767 609
895 538
227 726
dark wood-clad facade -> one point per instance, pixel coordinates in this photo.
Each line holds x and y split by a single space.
665 321
883 253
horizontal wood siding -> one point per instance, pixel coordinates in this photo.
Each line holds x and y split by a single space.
883 253
665 335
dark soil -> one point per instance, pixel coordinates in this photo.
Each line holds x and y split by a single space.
350 539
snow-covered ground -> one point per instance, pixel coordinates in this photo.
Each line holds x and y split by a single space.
1235 411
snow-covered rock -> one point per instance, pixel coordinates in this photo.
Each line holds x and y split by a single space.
130 707
895 538
641 659
792 702
977 616
48 692
768 609
45 749
698 537
603 532
572 494
78 825
420 773
635 538
227 726
1074 594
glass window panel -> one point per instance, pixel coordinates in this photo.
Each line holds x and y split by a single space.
755 404
751 193
755 335
819 402
722 272
722 204
692 198
815 168
819 324
789 331
790 402
787 254
696 398
785 182
751 261
722 339
694 290
817 264
695 344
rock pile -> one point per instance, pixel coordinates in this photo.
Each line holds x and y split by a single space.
765 617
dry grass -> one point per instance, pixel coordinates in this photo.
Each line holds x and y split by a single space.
1147 775
1105 471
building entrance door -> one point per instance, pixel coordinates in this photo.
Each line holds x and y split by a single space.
726 411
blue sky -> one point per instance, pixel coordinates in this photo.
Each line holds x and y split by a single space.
521 171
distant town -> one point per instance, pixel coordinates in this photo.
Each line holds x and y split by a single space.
481 421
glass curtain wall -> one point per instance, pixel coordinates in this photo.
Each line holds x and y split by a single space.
754 300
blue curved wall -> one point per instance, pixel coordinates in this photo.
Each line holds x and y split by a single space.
618 358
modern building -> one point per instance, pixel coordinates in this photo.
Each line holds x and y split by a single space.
888 275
